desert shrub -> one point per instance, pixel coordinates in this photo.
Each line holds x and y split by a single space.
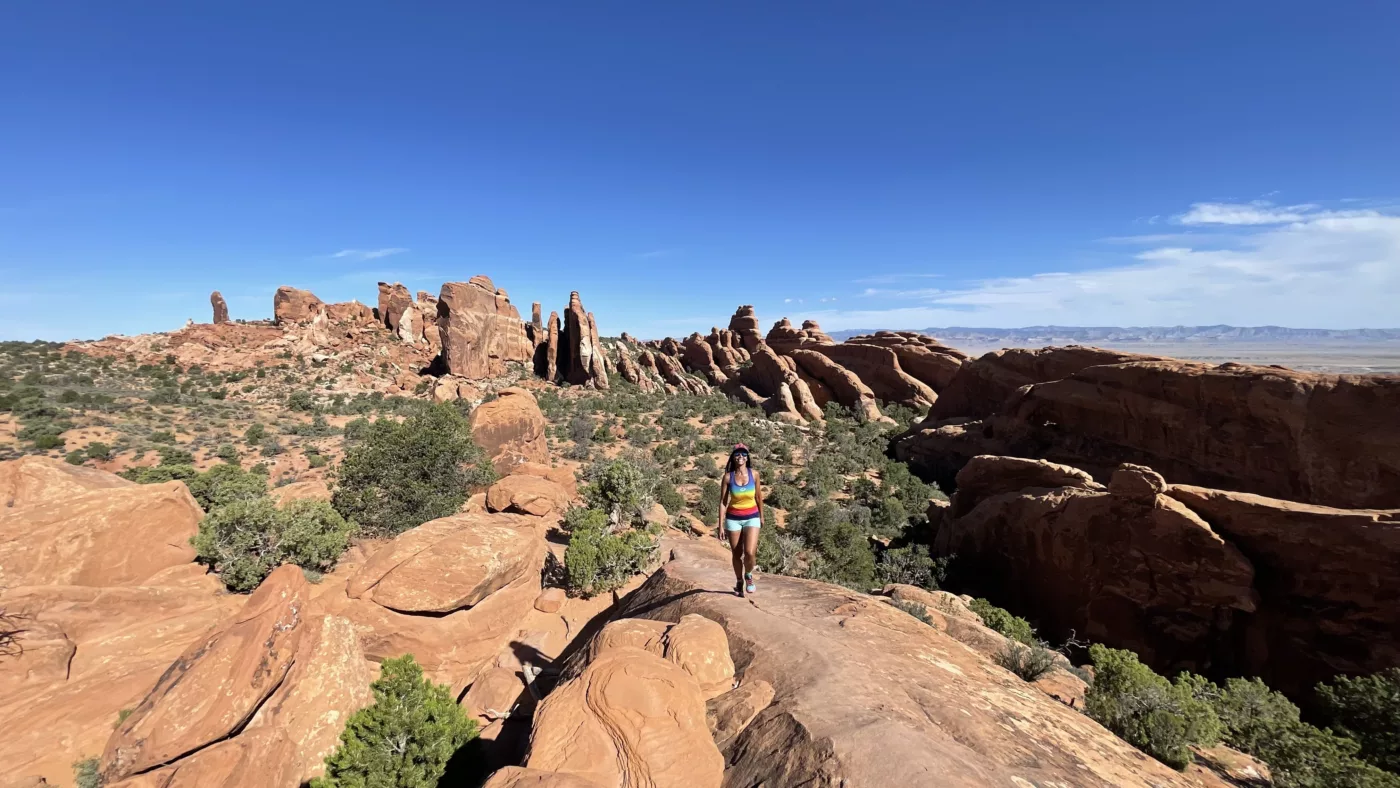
996 618
271 447
1161 718
913 566
916 610
227 452
98 450
255 434
159 473
618 488
173 455
318 427
843 547
1263 723
223 484
1367 709
406 473
667 495
1030 662
784 496
316 460
599 560
301 401
357 429
779 553
75 457
163 436
403 740
87 773
245 540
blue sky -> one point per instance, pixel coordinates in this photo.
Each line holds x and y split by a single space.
871 165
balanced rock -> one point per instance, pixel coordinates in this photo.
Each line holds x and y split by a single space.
744 325
526 494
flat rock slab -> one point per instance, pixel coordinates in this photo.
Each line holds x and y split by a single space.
865 694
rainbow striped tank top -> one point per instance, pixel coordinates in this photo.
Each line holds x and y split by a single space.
743 502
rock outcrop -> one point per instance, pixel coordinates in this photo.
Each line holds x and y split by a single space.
290 305
744 325
920 356
579 358
216 300
120 535
351 312
633 373
879 369
394 301
511 430
1187 577
845 387
783 338
699 355
30 480
671 372
260 701
941 714
980 386
480 330
1322 439
774 377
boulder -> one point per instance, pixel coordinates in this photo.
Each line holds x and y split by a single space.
289 737
550 600
107 537
394 301
33 479
700 647
630 719
450 563
561 476
351 312
729 714
479 330
290 305
216 300
879 369
511 430
309 490
526 494
921 356
216 685
940 713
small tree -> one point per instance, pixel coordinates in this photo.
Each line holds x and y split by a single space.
1367 708
404 474
999 619
246 539
405 739
1158 717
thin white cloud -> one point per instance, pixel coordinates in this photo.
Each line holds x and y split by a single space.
655 253
368 254
1256 212
1325 269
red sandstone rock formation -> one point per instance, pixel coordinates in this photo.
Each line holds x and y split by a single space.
290 305
511 430
827 717
216 300
394 299
698 355
580 358
670 371
879 369
845 386
744 324
784 339
1323 439
1188 577
921 356
633 373
980 386
775 378
552 348
480 330
350 312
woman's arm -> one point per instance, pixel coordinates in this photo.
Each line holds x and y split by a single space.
757 495
723 502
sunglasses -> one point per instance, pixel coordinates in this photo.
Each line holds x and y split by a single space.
743 454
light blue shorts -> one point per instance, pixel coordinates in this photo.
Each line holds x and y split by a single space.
732 524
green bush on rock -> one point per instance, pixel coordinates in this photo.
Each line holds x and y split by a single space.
246 539
403 740
1158 717
403 474
996 618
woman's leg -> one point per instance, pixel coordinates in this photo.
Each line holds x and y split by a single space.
750 548
736 547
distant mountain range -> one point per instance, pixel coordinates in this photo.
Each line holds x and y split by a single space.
1060 335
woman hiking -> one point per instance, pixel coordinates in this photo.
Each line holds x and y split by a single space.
741 514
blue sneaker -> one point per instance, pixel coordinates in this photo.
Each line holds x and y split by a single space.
750 587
